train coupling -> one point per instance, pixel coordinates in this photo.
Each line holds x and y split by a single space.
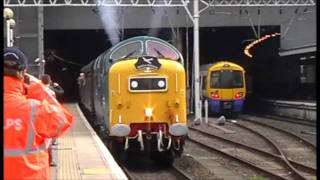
178 129
120 130
160 142
140 140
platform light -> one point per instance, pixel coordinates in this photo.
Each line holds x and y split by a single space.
12 23
7 13
252 44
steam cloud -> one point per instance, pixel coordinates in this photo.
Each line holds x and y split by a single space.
109 17
156 21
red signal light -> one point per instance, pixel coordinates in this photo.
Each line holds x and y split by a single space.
215 95
238 95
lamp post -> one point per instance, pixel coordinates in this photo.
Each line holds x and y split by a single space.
12 24
8 14
196 60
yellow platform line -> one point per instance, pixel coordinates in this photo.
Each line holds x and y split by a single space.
67 159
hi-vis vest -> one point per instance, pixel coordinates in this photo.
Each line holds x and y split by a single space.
27 123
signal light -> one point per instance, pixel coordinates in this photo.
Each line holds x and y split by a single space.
215 95
238 95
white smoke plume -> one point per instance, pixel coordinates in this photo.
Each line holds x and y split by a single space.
110 18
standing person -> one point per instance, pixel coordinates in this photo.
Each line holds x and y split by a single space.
57 89
28 122
46 81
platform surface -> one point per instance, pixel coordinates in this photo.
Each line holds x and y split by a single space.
293 102
80 154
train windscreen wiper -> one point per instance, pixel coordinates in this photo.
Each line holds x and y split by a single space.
159 53
130 54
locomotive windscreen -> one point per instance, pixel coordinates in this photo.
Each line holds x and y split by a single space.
161 50
147 84
226 79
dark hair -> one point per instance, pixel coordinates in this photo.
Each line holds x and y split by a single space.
10 69
46 79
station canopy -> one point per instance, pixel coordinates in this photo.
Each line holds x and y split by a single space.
154 3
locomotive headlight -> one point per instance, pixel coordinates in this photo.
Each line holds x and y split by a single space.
161 83
134 84
148 112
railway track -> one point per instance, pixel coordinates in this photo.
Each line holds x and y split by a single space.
281 119
306 142
170 173
284 168
305 134
266 153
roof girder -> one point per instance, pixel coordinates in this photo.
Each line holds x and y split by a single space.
155 3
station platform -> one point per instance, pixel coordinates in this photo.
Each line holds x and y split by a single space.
293 102
298 109
80 154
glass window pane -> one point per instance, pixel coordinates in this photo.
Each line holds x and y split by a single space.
226 79
132 49
160 50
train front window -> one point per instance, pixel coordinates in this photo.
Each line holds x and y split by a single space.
226 79
132 49
148 84
160 50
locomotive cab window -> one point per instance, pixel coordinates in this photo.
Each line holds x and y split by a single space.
132 49
160 50
226 79
147 84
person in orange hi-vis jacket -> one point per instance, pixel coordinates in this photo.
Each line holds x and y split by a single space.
35 91
28 122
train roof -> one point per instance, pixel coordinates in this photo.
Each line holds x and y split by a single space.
148 45
219 64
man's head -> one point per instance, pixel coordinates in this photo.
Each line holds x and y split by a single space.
15 62
46 79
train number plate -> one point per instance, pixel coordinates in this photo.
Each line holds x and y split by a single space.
227 105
